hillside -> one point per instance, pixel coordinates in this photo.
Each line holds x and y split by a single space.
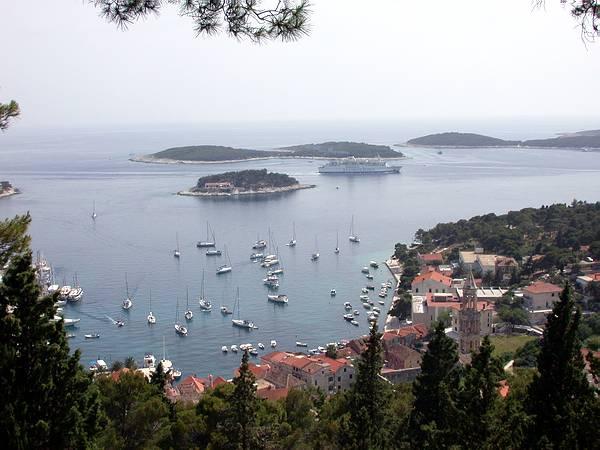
454 139
216 153
577 141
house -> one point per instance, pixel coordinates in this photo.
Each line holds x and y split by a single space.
490 294
219 186
540 295
408 335
505 267
427 309
467 260
431 282
427 259
397 376
398 356
190 389
584 281
485 264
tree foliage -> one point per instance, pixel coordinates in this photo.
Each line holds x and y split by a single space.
286 19
14 239
8 111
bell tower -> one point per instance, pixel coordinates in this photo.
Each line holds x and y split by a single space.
469 319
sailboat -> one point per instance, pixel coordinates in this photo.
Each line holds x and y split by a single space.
279 270
76 291
353 237
94 215
205 304
151 318
176 253
127 303
315 255
208 242
225 267
167 365
337 243
241 323
179 328
292 243
189 315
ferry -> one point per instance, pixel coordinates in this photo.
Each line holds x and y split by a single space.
357 166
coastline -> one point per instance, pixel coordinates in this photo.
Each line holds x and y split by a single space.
516 147
237 193
151 160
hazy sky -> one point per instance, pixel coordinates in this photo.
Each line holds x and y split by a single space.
398 59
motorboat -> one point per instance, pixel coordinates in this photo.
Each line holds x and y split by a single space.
355 323
259 244
369 276
301 344
92 336
356 312
253 351
374 264
181 329
314 256
271 282
213 252
205 304
70 336
273 343
176 374
68 322
365 270
364 297
347 305
256 257
383 294
333 292
234 348
223 269
364 290
224 349
348 317
278 271
366 305
381 302
261 345
225 310
176 252
149 361
370 287
277 298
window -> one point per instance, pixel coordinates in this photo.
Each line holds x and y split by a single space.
330 379
315 382
350 376
344 369
339 379
417 290
429 289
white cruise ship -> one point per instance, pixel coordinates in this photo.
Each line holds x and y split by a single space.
353 165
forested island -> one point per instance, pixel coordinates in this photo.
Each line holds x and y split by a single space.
244 182
216 153
581 140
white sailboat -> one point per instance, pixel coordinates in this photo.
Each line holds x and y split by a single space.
315 255
151 318
292 242
205 304
337 243
353 237
167 365
189 315
179 328
76 291
127 303
94 215
208 242
241 323
176 252
225 267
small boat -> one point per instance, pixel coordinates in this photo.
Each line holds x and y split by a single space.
256 257
253 351
176 374
381 302
337 243
119 323
374 264
205 304
189 315
355 323
70 336
225 268
369 276
383 294
315 255
365 270
348 317
301 344
277 298
179 328
268 262
333 293
364 290
241 323
92 336
94 215
224 349
364 297
127 303
151 317
207 242
68 322
314 351
213 252
321 349
259 244
271 282
356 312
292 242
353 237
376 309
234 348
278 271
366 305
225 310
370 287
273 343
347 305
176 252
261 346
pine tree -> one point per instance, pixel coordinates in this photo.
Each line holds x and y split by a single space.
159 377
13 237
47 399
433 419
560 399
240 426
478 396
368 399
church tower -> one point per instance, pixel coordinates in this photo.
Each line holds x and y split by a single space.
469 319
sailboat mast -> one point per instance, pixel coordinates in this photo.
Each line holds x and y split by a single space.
126 286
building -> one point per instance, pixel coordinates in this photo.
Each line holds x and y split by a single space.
467 260
505 267
427 259
427 309
584 281
408 335
190 389
469 320
431 282
219 186
485 264
490 294
540 295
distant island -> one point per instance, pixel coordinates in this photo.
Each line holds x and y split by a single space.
581 140
244 182
7 189
220 154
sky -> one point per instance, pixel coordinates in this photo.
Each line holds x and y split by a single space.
392 60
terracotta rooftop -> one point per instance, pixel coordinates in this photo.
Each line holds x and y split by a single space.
430 257
272 394
541 287
419 329
259 370
196 383
435 276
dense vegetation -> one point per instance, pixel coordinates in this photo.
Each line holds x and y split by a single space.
249 179
579 140
210 153
454 139
557 232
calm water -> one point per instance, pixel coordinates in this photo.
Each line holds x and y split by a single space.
62 172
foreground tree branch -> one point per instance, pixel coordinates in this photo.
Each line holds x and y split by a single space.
8 111
285 19
587 12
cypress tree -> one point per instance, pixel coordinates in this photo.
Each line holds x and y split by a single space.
433 419
47 400
478 396
561 402
368 399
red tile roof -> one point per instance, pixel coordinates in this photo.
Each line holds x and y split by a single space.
541 287
503 389
272 393
259 371
435 276
429 257
117 374
195 383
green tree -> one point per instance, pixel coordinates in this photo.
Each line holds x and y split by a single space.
478 396
8 111
433 419
513 316
130 363
116 366
560 400
47 399
13 237
368 399
331 351
159 377
240 427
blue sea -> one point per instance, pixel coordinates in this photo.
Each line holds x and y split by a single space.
62 172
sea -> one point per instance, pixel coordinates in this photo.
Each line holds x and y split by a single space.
63 172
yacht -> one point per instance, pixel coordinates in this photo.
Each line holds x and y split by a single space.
259 244
241 323
225 268
271 282
151 318
354 322
127 303
208 242
333 292
374 264
277 298
92 336
234 348
353 237
189 315
256 257
205 304
253 351
76 292
261 345
278 271
348 317
366 305
94 215
381 302
301 344
213 252
273 343
64 292
292 242
176 252
365 270
225 310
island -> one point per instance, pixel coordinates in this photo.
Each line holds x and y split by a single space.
220 154
7 189
581 140
244 182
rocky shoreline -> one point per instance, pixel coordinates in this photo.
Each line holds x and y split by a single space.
238 193
151 160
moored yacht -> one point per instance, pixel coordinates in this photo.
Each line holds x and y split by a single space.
208 242
241 323
277 298
352 236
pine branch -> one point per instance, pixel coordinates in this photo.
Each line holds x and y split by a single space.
8 111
